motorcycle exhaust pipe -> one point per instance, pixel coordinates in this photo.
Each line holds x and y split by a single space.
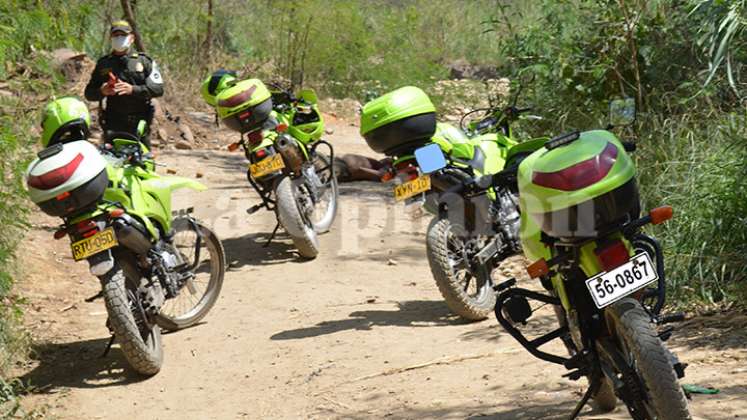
291 152
131 234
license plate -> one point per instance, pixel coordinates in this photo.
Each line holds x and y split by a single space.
266 166
609 287
90 246
412 188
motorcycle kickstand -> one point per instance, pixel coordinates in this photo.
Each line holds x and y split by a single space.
108 346
272 235
98 295
582 403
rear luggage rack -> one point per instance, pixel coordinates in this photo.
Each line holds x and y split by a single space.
562 140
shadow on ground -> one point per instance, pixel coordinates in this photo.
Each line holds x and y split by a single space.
414 313
250 250
77 364
715 332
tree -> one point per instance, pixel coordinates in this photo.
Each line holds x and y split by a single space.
127 9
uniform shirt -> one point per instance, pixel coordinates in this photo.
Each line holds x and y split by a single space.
135 68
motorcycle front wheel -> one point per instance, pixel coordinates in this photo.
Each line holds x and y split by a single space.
206 267
325 208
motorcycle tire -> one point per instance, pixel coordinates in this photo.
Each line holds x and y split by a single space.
291 218
650 359
141 345
206 301
441 262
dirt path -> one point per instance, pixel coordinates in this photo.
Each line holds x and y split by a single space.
360 332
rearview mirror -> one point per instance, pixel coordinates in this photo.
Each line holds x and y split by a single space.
430 158
622 112
308 95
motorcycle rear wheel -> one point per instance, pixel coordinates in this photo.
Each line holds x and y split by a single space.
140 343
645 353
292 219
455 282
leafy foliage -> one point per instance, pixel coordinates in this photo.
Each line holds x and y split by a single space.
691 148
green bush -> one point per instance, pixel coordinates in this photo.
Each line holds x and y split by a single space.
691 144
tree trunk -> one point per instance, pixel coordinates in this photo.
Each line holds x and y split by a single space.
127 9
209 35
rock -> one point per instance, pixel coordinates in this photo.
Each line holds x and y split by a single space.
391 262
202 117
186 132
171 171
462 69
199 175
329 131
71 63
158 113
183 145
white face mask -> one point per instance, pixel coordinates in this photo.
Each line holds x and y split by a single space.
121 43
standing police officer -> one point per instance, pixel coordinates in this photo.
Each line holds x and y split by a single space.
128 80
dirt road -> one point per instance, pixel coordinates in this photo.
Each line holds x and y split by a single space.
360 332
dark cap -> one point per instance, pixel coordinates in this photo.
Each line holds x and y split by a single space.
121 26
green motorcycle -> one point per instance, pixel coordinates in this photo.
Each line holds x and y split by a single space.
580 225
281 138
465 240
156 270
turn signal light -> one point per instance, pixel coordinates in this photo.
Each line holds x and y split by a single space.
116 213
281 128
388 176
63 196
233 147
661 214
60 233
538 268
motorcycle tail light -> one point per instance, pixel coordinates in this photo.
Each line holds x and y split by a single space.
261 153
86 228
255 137
581 174
407 170
612 255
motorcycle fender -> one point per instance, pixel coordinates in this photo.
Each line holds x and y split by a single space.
101 263
267 141
173 183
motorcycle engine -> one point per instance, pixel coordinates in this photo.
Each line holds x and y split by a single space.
166 259
508 215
